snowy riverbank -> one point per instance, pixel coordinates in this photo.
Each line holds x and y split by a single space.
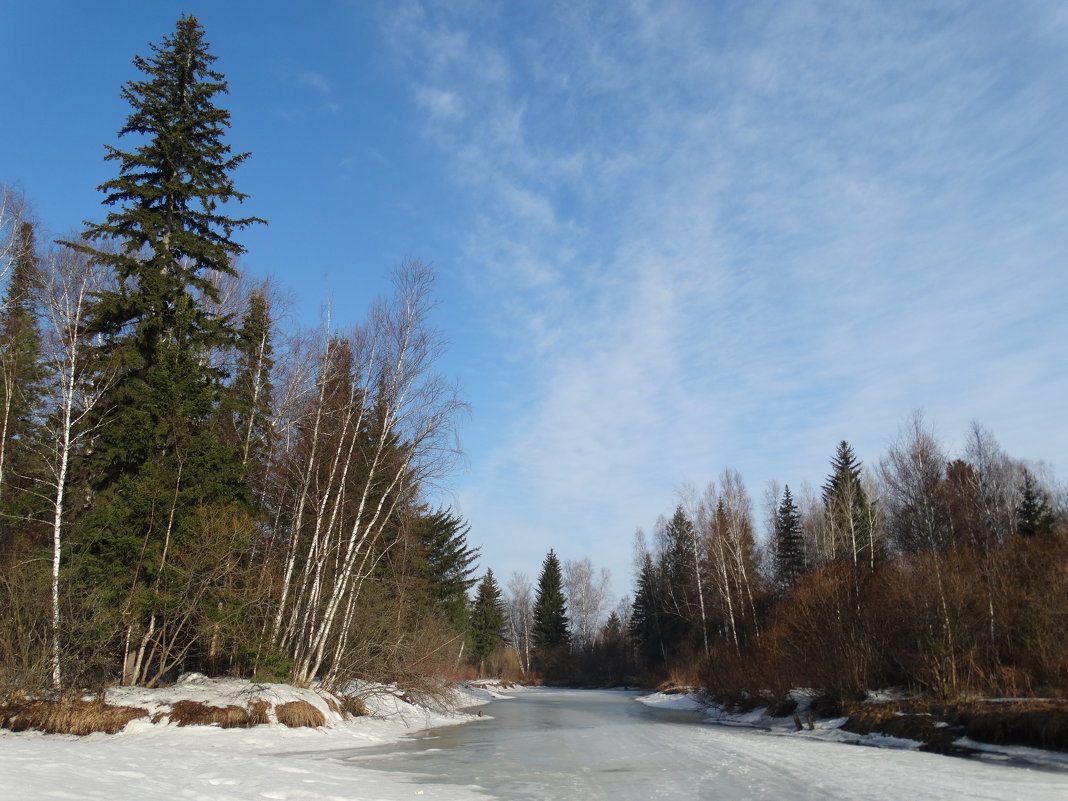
830 730
206 763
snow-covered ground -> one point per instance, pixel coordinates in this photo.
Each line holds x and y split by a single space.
562 744
205 763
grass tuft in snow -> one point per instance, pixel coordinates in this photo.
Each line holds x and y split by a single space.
67 715
297 714
194 713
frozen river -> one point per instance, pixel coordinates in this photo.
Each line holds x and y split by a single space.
575 744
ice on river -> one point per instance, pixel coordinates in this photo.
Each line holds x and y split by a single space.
542 744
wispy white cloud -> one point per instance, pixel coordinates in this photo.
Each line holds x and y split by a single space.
733 234
315 80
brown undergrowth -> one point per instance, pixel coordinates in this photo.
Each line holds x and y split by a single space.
937 724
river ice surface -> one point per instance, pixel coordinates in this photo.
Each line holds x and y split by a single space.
575 744
541 744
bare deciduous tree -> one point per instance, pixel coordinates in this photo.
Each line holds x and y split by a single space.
70 283
587 600
377 425
519 606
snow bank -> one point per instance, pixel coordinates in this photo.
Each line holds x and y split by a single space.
207 763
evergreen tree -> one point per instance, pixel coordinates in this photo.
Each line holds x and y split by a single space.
21 378
161 461
849 512
1034 516
487 619
449 565
678 583
789 542
250 395
550 635
645 616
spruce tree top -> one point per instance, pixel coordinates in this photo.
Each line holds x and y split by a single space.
169 187
550 608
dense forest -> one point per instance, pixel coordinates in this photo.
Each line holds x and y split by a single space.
187 485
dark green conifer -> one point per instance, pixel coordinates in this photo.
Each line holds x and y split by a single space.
849 512
251 394
160 462
487 619
550 635
646 616
1034 515
21 379
789 542
449 565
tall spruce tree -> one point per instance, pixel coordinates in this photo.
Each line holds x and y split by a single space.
789 542
646 616
551 634
160 461
487 620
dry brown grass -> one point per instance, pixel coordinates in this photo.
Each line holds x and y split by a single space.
194 713
67 716
258 712
296 714
353 706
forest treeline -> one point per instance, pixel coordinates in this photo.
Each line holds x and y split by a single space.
942 575
185 485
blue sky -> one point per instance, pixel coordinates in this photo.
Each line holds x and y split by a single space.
672 237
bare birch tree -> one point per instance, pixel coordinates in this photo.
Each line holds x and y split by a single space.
378 426
519 607
70 283
587 600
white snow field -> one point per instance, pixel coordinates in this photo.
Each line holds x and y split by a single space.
541 744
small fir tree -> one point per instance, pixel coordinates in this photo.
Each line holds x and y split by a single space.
789 542
487 620
551 632
1034 515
